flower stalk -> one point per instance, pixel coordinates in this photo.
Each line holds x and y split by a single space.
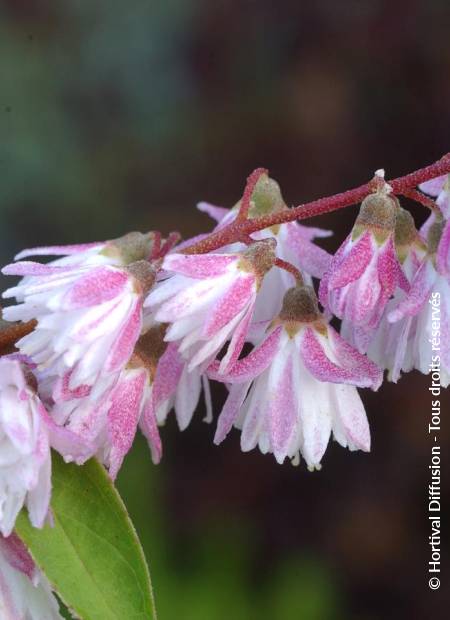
241 228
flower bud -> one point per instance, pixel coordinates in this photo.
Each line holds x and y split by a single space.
378 215
406 235
266 197
130 248
300 304
434 235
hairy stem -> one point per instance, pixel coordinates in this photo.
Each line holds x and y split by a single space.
426 201
240 229
283 264
248 191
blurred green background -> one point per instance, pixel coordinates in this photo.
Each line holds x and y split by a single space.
117 116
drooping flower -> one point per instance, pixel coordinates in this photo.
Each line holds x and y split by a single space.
154 381
390 343
294 244
175 387
385 343
422 316
25 593
25 461
298 386
210 299
439 188
365 272
88 308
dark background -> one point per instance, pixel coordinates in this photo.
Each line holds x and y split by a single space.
117 116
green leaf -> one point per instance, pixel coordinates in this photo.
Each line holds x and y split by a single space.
92 555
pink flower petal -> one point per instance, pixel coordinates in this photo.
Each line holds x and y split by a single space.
59 250
214 212
168 373
352 418
70 445
99 285
323 369
123 417
150 429
199 265
124 345
418 294
443 252
17 555
434 186
282 412
229 305
350 358
30 268
230 411
354 263
237 342
311 258
311 232
251 366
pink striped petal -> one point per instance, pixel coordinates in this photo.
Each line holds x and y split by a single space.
230 411
124 345
443 201
63 392
17 556
282 412
59 250
229 305
354 263
123 417
70 445
150 429
434 186
253 364
418 294
96 287
352 417
311 258
443 252
199 265
168 373
311 232
349 357
237 342
322 368
214 212
30 268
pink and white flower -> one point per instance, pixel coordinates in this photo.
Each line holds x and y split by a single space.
440 189
175 387
25 593
421 319
210 299
153 382
25 462
88 312
365 272
294 245
297 387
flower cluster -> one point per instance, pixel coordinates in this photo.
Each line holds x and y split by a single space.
116 335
